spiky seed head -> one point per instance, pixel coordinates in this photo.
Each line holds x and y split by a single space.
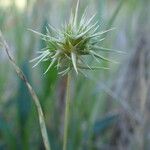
67 48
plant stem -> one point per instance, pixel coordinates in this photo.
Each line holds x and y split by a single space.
22 76
67 111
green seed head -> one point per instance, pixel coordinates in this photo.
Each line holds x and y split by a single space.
67 47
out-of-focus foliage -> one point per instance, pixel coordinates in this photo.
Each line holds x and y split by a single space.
109 108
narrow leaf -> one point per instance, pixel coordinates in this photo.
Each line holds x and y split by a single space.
102 32
44 56
74 61
51 64
92 68
76 14
101 57
108 50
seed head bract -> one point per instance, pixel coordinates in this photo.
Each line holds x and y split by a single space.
67 47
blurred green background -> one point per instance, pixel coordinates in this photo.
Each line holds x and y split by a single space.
110 109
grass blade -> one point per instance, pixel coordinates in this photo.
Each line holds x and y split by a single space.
32 93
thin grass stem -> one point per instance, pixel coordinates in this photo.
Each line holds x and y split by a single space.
22 76
67 111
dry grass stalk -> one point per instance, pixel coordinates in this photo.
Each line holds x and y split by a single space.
32 93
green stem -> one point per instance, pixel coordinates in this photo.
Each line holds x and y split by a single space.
67 111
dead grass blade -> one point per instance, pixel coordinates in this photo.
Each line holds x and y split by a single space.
32 93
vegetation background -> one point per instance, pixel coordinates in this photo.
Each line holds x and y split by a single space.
110 109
